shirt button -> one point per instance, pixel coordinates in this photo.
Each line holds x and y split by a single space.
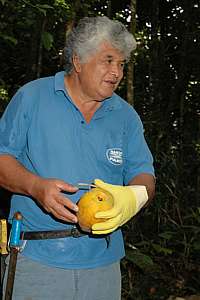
82 122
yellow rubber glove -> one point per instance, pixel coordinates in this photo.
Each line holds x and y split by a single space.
128 200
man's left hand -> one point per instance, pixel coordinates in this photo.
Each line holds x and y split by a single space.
128 200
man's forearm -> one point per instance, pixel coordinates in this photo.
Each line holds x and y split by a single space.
14 176
47 192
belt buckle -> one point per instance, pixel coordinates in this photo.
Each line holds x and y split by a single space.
75 233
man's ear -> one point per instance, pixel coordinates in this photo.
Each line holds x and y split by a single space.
76 63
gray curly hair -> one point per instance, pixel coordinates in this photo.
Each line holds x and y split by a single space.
90 32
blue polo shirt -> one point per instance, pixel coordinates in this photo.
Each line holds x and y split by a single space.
47 133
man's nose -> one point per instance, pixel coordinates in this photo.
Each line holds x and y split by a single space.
115 70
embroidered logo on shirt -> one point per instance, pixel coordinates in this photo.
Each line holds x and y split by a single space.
114 156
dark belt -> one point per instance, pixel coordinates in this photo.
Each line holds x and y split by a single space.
54 234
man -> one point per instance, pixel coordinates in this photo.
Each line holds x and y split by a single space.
62 130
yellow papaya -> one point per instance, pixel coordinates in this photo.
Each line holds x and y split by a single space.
89 204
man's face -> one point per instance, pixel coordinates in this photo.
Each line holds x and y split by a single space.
101 74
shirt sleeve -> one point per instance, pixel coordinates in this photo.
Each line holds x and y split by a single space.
138 158
14 126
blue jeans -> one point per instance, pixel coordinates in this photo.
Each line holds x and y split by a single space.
34 281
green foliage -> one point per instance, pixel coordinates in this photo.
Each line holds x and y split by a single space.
8 38
47 39
144 262
3 94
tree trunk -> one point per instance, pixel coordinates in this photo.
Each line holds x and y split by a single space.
40 50
130 69
109 9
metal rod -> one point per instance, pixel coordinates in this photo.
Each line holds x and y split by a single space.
11 273
14 249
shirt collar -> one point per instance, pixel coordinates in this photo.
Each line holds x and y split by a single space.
111 103
108 104
59 81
